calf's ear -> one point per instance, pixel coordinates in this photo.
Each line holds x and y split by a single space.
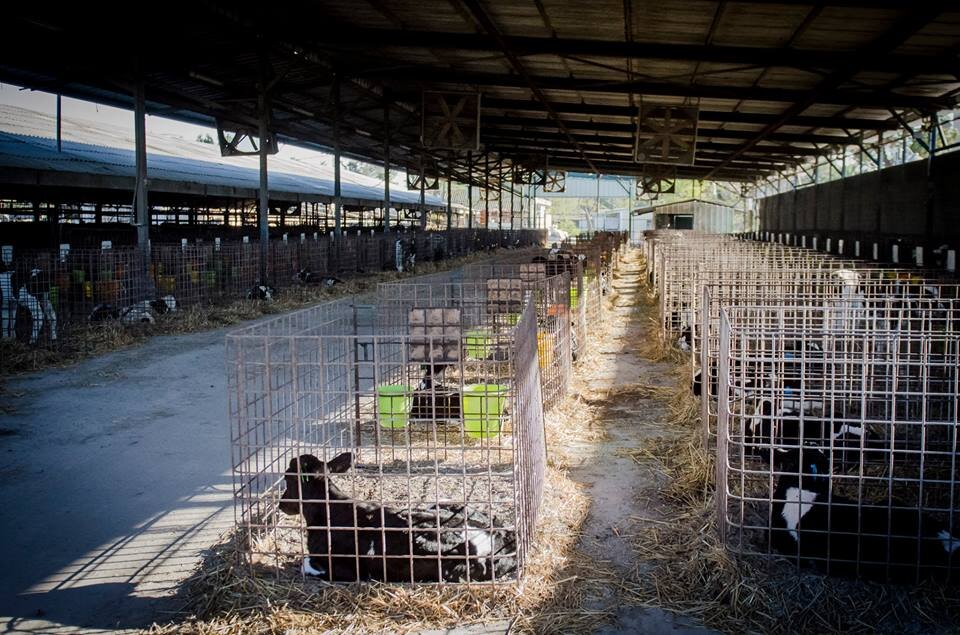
340 463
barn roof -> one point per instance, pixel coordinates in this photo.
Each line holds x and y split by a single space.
85 162
773 82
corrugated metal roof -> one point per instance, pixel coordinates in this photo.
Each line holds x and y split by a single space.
21 150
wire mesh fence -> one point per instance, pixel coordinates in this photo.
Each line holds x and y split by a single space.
837 444
499 290
372 443
849 289
830 386
57 294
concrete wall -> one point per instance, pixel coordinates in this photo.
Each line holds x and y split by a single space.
880 206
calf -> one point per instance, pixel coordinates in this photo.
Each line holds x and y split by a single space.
307 277
883 540
350 540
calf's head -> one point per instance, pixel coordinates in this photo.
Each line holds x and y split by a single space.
306 481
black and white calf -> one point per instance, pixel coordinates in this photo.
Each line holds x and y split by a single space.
34 310
261 292
881 540
775 439
144 312
352 540
307 277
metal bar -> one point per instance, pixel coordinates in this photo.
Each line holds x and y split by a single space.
386 161
337 198
469 190
59 123
890 40
449 203
523 46
713 116
263 216
140 132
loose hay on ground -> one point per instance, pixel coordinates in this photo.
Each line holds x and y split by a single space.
690 572
226 598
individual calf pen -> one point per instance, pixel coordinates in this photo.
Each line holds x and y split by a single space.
371 443
837 439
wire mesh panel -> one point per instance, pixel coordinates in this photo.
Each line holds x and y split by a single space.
837 437
372 443
46 294
502 298
838 289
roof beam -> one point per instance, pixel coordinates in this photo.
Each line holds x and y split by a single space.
362 39
551 140
484 20
713 116
495 125
864 98
888 41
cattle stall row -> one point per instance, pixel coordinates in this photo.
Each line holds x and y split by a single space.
829 393
399 436
48 296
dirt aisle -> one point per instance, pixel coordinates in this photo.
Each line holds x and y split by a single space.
614 479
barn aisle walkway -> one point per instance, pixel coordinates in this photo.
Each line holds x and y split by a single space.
114 477
614 479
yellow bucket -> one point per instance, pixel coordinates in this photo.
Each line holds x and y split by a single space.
544 348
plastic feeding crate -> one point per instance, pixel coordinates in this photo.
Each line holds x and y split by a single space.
371 442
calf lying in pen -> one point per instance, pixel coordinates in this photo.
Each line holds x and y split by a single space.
882 540
351 540
774 438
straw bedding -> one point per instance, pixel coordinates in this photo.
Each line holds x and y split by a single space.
690 572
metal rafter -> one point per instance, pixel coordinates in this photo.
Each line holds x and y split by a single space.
887 42
482 18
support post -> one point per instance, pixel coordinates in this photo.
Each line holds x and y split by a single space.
449 203
59 124
337 198
486 192
263 216
140 134
423 195
386 161
469 190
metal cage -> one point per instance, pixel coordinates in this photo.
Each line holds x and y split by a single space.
499 291
837 437
379 442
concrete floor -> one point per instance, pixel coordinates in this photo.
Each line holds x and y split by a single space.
114 477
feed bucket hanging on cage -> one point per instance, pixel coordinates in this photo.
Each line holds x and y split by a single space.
482 409
478 344
393 406
544 348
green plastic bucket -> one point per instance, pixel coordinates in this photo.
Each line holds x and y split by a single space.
393 405
482 408
478 344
